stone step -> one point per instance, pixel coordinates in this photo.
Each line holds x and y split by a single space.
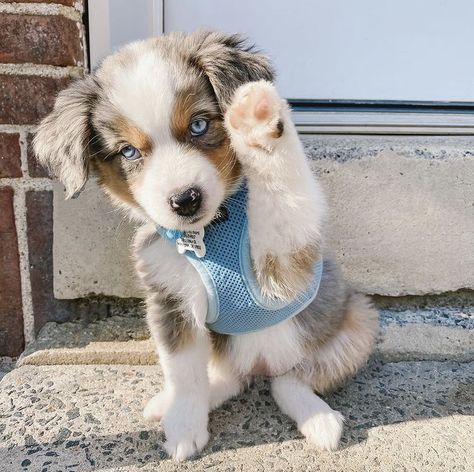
404 416
400 212
405 335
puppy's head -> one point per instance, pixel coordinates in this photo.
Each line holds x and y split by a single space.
149 123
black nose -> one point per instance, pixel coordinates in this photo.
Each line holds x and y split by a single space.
186 203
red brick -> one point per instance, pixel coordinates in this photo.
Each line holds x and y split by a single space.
26 99
11 311
10 161
35 169
39 39
69 3
39 219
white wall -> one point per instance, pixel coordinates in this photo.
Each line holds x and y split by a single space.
338 49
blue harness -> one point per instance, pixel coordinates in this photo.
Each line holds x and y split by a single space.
235 302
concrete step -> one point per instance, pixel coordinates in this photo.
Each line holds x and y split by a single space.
400 212
405 416
406 334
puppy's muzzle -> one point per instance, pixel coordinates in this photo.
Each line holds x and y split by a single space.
186 203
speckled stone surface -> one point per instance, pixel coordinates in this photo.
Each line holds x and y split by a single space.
112 340
449 316
407 333
6 365
406 416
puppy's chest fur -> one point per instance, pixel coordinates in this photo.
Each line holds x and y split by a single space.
270 351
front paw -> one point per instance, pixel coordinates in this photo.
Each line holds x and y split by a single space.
156 406
185 425
324 429
254 118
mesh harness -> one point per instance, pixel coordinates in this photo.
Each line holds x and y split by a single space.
235 302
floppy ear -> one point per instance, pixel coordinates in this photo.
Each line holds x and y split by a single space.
228 63
62 139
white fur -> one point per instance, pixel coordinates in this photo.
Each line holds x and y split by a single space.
157 406
173 169
132 89
184 415
278 348
320 424
224 383
285 209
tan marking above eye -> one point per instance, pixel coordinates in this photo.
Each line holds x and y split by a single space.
196 101
192 102
182 114
133 135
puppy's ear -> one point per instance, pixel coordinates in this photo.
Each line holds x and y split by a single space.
228 63
62 139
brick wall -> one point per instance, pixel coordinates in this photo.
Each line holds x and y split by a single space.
41 50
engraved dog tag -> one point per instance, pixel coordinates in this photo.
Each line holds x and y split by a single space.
192 240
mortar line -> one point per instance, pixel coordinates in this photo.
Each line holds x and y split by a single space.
42 70
19 204
28 183
20 187
22 235
24 153
43 9
4 128
83 38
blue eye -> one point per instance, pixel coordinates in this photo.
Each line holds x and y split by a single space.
198 126
131 153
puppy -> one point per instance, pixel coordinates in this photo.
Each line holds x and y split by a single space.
189 135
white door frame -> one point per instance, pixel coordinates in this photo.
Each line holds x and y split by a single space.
101 30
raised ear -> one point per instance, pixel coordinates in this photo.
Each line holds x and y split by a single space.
228 63
62 139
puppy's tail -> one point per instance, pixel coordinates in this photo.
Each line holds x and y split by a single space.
348 350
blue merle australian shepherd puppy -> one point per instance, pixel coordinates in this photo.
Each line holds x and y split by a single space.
188 133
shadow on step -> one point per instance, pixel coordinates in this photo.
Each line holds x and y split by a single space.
382 394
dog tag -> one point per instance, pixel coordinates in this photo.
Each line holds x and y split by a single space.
192 240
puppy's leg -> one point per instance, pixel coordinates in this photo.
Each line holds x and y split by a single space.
176 308
320 424
185 417
176 313
285 204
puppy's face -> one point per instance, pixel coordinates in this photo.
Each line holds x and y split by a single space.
161 144
150 125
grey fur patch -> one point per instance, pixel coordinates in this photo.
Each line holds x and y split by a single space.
321 320
340 328
63 137
167 321
229 62
220 343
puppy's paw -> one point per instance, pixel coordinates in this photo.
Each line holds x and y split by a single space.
156 407
254 117
185 425
186 447
324 429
